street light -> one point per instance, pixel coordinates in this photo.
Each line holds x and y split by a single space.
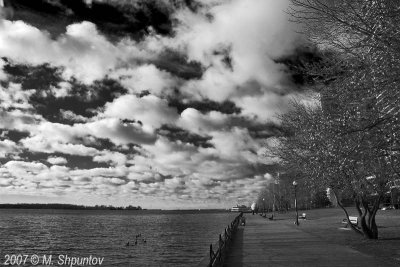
295 203
276 182
264 205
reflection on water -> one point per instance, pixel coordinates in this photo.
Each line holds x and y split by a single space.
172 238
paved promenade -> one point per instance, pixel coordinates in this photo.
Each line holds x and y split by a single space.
280 243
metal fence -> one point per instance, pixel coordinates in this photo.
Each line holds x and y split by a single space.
219 250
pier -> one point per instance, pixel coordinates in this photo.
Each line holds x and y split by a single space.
280 242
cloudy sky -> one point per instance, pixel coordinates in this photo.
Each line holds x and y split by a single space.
163 103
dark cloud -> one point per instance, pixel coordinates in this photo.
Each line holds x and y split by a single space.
82 99
174 133
178 65
43 76
197 74
114 18
226 58
12 135
73 161
81 162
102 143
205 106
193 5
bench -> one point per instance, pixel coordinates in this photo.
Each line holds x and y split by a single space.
302 216
353 221
243 221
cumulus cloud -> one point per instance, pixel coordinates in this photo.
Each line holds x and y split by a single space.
115 158
238 46
19 120
15 97
3 76
40 144
7 148
150 110
147 77
264 108
57 160
71 116
118 132
192 119
85 54
185 127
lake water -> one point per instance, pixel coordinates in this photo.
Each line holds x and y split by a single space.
173 238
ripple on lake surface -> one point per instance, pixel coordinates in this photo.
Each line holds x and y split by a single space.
172 238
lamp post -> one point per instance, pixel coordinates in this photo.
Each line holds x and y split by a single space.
273 202
295 203
263 205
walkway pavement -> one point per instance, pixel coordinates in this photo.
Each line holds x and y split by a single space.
280 243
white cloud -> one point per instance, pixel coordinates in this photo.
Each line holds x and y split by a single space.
69 115
146 77
195 121
3 76
19 120
62 90
15 97
20 167
176 173
150 110
264 108
57 160
99 172
115 158
83 52
7 148
117 132
254 32
41 144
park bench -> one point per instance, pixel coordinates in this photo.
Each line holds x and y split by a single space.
353 221
302 216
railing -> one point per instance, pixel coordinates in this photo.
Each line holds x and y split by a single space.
216 258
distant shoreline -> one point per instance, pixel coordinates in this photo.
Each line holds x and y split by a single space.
57 206
65 206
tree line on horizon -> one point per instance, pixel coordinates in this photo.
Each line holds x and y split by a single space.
347 137
65 206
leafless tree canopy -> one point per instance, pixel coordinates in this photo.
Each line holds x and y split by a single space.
350 141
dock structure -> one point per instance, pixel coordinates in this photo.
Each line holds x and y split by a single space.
264 242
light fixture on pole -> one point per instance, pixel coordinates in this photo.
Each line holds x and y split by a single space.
276 184
263 205
295 203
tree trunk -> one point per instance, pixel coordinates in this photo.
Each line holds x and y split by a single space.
367 220
339 202
366 215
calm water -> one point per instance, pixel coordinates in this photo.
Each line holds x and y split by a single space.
172 238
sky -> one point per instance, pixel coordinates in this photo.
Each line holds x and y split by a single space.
163 104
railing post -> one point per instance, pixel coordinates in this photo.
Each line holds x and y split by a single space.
217 257
220 248
226 236
211 255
